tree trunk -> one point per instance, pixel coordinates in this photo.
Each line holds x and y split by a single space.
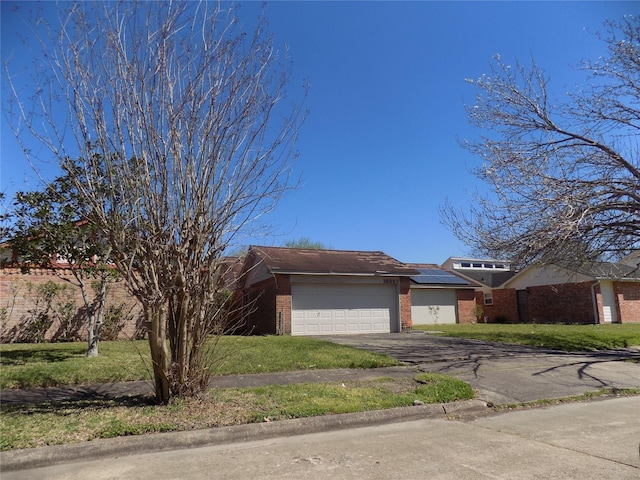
96 319
155 316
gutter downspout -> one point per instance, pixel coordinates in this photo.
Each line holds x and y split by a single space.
596 315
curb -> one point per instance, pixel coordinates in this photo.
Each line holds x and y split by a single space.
152 443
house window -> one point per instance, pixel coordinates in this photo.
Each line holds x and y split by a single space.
488 298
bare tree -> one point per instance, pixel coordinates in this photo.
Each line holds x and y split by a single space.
180 113
564 176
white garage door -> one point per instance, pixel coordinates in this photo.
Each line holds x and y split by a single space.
318 309
432 306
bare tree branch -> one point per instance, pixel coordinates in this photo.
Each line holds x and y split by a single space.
180 113
564 177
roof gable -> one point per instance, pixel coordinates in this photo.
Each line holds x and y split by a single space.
535 275
487 277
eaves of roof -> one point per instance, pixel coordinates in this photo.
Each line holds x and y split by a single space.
609 271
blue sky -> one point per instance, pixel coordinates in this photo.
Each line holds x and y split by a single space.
380 153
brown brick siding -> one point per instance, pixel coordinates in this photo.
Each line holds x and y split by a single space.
628 299
466 306
259 305
283 304
562 303
405 305
18 305
504 308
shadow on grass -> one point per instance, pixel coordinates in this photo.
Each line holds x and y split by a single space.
61 407
40 355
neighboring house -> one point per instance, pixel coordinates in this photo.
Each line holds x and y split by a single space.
489 273
492 305
439 296
315 292
598 293
602 292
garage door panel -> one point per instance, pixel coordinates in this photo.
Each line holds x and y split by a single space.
328 309
433 306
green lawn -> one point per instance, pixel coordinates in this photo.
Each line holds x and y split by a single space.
51 364
568 338
51 423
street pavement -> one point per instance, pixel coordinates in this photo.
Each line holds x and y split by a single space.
582 441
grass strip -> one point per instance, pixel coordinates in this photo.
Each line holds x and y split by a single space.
52 423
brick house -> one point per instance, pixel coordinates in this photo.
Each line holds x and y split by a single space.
313 292
602 292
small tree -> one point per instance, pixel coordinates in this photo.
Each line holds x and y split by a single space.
564 176
178 112
52 230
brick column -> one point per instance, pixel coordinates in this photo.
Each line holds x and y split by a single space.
405 305
283 303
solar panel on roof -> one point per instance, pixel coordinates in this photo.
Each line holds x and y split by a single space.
437 276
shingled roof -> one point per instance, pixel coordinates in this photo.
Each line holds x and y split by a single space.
330 262
611 271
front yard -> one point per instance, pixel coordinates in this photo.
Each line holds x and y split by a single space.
49 423
38 365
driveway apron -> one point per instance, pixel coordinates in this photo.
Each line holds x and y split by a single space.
506 373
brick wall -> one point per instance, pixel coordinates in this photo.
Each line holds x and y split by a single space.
283 305
22 309
504 308
405 305
259 307
466 300
562 303
628 299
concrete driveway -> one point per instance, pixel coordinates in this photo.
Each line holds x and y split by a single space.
506 373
